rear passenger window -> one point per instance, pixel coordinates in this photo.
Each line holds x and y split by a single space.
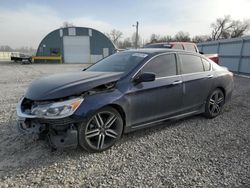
162 66
190 47
191 64
206 64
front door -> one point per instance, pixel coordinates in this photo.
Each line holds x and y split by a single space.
152 101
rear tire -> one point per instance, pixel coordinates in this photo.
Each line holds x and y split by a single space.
101 131
214 103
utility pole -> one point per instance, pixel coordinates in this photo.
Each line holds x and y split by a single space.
136 34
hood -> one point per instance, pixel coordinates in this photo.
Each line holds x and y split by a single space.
67 84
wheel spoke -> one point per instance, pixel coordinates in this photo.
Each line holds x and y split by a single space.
92 133
216 96
220 100
111 133
213 108
217 107
211 101
100 141
110 121
98 120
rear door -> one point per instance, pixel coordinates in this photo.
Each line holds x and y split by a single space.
196 81
160 98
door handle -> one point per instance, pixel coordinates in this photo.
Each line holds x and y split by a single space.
210 76
177 82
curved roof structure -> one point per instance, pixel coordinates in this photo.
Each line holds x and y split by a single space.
76 45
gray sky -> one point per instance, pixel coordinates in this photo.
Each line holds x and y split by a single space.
25 23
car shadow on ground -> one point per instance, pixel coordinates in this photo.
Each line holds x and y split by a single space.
20 153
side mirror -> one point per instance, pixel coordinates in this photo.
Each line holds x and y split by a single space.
201 53
145 77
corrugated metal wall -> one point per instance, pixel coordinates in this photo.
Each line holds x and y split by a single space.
233 53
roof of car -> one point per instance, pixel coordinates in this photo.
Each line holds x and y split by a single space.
157 50
172 42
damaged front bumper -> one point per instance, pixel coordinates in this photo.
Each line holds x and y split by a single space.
61 133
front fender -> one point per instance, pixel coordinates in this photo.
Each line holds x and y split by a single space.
92 103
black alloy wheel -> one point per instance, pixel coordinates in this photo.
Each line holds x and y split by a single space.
214 103
101 131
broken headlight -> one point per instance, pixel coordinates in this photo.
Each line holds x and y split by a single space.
56 110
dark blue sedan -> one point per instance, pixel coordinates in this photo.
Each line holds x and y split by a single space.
124 92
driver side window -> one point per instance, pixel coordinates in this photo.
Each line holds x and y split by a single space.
162 66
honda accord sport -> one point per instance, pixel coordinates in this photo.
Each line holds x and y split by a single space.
124 92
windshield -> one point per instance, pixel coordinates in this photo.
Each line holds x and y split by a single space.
119 62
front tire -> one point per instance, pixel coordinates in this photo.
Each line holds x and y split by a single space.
101 131
214 104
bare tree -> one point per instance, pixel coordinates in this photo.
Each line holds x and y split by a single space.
6 48
126 43
201 38
154 38
159 38
115 36
182 36
26 50
221 27
23 49
240 28
67 24
224 28
167 38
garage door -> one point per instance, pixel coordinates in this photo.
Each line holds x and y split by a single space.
76 49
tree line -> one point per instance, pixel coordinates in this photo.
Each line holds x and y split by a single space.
222 28
24 49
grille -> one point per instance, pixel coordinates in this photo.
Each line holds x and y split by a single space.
63 121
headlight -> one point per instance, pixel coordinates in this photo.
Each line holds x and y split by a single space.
57 109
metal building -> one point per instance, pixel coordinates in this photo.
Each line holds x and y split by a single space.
74 45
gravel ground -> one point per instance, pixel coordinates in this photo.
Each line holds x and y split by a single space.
191 152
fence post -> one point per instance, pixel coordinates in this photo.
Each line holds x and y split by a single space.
240 57
218 47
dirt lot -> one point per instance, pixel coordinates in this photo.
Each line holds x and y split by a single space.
190 152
